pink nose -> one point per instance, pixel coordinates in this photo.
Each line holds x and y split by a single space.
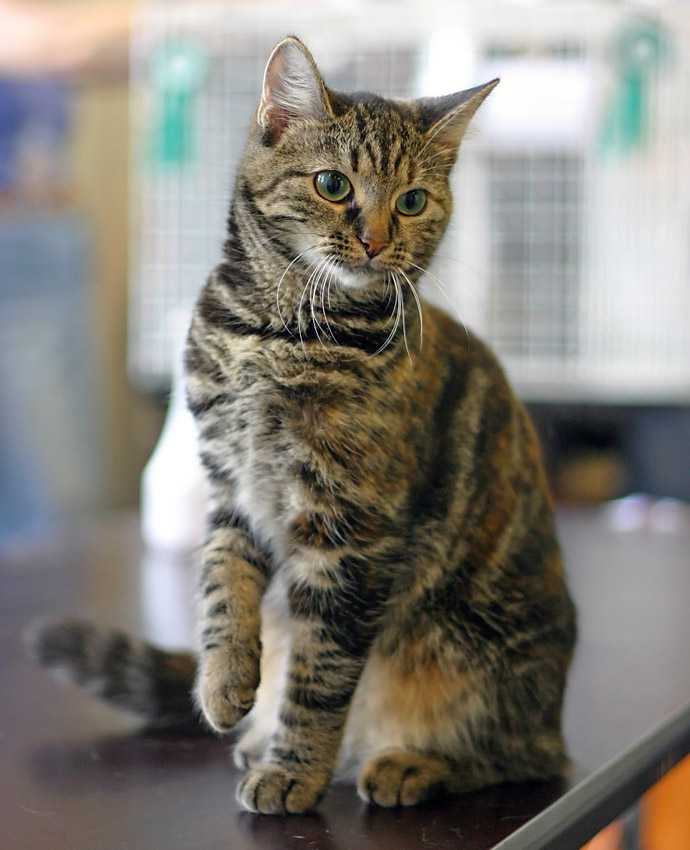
372 247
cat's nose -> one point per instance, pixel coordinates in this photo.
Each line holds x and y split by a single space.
372 247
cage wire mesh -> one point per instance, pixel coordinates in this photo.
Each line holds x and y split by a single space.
569 249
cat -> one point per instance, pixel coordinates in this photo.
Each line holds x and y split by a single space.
381 591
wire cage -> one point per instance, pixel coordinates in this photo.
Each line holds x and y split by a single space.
569 249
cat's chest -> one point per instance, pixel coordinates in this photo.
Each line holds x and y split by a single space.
282 410
284 426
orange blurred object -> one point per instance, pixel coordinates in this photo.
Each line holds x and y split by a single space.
608 839
40 38
665 816
666 812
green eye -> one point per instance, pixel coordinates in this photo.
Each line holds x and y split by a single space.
412 202
332 185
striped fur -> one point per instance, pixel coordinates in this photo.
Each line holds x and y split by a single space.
382 595
117 668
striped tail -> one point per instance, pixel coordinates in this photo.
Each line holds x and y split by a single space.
123 671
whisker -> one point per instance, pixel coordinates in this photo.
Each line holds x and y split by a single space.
316 279
468 284
419 306
280 282
326 294
428 157
401 303
335 264
441 125
387 293
259 245
395 314
305 288
442 289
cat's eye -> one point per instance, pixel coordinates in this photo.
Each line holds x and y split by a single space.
412 202
332 185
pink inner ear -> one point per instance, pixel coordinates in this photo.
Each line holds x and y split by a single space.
277 118
292 88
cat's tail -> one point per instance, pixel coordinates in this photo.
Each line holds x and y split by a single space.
125 672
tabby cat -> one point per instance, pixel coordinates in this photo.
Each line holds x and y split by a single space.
382 595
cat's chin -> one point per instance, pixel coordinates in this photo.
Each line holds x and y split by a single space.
358 278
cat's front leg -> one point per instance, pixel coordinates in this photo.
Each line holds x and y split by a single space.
234 577
298 768
332 629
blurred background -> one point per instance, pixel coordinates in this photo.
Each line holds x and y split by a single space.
120 127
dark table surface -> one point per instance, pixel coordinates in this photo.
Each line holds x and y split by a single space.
76 774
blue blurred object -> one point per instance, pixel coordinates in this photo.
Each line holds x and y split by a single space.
33 112
51 462
12 121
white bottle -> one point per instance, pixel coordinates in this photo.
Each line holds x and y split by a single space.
173 487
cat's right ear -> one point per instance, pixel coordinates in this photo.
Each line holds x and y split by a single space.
293 90
445 119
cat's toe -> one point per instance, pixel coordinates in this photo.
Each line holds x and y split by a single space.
221 709
224 696
249 750
275 790
402 778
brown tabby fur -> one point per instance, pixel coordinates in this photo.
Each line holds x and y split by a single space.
380 560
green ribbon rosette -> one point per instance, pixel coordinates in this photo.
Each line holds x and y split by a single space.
178 73
638 53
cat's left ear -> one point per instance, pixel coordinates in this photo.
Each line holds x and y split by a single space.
293 89
445 119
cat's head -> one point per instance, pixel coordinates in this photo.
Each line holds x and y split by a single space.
355 183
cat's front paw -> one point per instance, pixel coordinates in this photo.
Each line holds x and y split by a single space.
402 778
271 789
250 749
227 686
